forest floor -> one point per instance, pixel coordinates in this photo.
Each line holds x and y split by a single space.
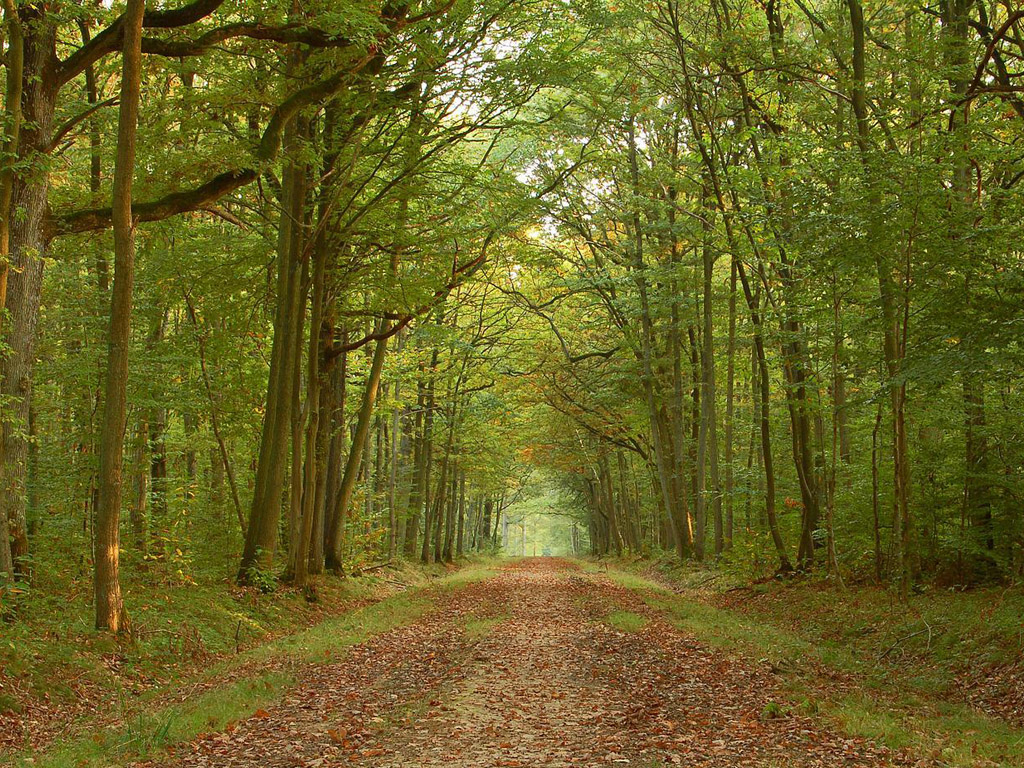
544 662
940 674
199 655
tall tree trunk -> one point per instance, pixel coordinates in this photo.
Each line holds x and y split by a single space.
13 543
764 403
220 466
217 479
499 521
428 460
830 510
608 496
191 426
339 433
707 446
379 478
313 443
265 512
327 369
488 511
441 496
415 506
335 537
138 512
110 611
639 267
892 349
451 515
460 531
27 250
696 475
157 437
730 410
977 498
395 531
875 501
298 410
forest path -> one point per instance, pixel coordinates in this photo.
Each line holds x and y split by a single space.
528 668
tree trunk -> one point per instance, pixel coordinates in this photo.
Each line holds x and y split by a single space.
428 451
764 402
13 542
28 246
730 389
313 443
327 390
138 512
707 445
415 506
451 515
335 537
298 411
191 426
394 532
221 464
488 511
157 441
460 535
265 512
892 349
110 611
335 465
639 268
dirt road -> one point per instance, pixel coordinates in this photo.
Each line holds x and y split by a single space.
541 665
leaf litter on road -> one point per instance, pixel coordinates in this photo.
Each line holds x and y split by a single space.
550 683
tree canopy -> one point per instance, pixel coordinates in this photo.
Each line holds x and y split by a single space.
300 287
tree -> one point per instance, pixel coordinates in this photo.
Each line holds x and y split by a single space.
110 612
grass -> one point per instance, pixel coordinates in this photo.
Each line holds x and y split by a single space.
54 652
231 687
626 621
476 571
479 627
902 705
142 732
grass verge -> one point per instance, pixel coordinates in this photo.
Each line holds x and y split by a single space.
139 725
895 704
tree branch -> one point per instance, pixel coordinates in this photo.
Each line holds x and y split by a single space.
990 49
209 192
156 210
69 126
459 275
289 33
109 40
